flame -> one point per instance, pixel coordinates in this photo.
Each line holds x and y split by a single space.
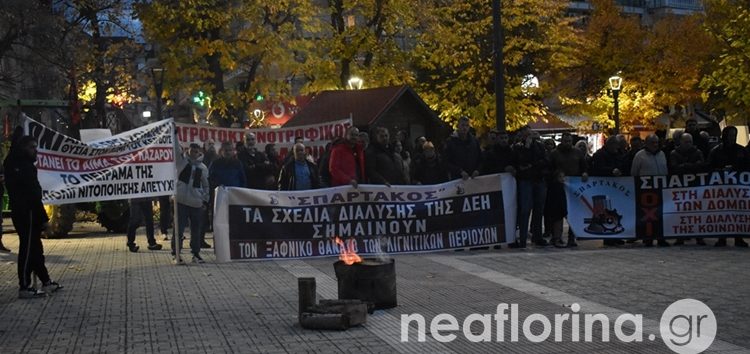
348 256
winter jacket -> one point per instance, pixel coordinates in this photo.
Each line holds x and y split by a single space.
424 171
227 172
287 176
382 165
604 162
192 182
533 161
24 191
682 162
463 155
346 163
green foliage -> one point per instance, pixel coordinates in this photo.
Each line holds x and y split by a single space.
455 58
728 79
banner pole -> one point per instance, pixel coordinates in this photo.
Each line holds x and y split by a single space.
175 235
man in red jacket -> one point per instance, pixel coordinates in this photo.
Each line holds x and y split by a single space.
347 162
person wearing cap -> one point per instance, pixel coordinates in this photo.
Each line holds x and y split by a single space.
192 198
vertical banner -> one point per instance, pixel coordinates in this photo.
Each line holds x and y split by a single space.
255 224
315 137
136 163
601 207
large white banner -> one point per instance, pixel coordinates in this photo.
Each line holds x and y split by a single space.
137 163
254 224
315 137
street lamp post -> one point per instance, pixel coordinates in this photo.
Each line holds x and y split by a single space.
158 75
615 84
355 83
498 40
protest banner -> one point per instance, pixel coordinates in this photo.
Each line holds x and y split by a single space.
137 163
374 220
693 205
315 137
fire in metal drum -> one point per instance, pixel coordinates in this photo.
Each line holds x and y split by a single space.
371 280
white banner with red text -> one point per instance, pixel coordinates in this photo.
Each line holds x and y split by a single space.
713 204
315 137
255 224
134 164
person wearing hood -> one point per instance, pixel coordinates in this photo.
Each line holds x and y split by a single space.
192 198
728 156
28 215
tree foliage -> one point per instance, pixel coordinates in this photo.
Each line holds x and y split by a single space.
727 81
250 44
364 38
455 57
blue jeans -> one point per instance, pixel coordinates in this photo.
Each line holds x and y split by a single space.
531 196
195 216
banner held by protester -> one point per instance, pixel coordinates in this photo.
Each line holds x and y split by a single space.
314 136
137 163
254 224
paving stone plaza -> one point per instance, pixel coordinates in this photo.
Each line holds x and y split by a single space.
115 301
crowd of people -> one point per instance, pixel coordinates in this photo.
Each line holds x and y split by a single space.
539 166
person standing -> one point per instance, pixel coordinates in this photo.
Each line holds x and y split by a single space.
299 173
255 162
566 161
728 156
28 215
2 193
141 208
651 161
428 167
462 153
192 198
382 166
532 169
347 162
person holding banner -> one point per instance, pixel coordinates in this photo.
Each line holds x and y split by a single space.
192 198
729 156
651 161
299 174
255 161
380 161
566 161
347 161
28 215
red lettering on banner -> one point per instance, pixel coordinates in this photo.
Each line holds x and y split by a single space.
338 130
649 203
203 134
193 134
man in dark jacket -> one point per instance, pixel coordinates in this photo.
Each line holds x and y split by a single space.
299 173
227 170
256 163
533 168
727 156
428 167
498 157
28 215
381 164
462 153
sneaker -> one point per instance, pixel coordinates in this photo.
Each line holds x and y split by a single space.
197 259
174 260
133 248
205 244
154 247
4 249
51 287
30 293
164 237
541 242
571 244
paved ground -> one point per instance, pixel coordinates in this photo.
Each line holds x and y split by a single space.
115 301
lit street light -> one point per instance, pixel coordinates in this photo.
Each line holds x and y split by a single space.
615 84
355 83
